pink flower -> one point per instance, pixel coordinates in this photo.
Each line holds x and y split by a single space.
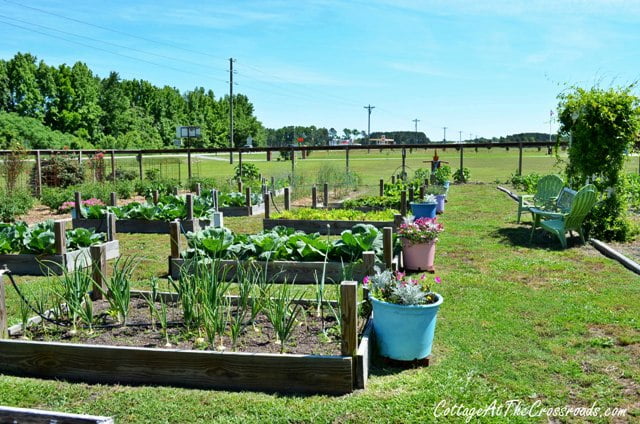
400 275
366 280
438 280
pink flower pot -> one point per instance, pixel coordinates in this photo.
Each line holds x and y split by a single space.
419 257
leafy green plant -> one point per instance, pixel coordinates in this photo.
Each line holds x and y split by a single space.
249 172
118 291
282 311
336 214
461 175
72 288
14 203
528 182
442 174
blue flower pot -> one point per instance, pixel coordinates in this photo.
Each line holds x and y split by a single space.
404 332
423 210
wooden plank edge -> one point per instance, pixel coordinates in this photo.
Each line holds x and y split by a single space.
509 193
29 415
362 359
609 252
99 364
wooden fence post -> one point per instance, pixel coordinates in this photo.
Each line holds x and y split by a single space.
393 179
77 200
240 162
240 186
198 189
60 234
520 159
231 157
189 162
3 306
387 246
346 156
113 166
247 200
98 270
349 314
267 205
426 182
381 187
155 196
189 206
38 174
325 194
214 198
423 190
113 199
111 226
287 199
268 155
140 165
411 193
403 203
369 260
273 183
174 234
176 190
462 163
314 197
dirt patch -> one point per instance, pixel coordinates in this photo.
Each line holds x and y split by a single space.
307 337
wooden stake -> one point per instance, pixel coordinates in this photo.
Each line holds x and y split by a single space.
314 197
369 260
113 166
189 207
140 164
156 196
3 307
59 229
239 186
174 234
267 205
387 246
77 199
287 199
247 200
98 270
423 190
381 187
113 199
111 226
403 203
411 193
38 174
325 193
349 314
198 189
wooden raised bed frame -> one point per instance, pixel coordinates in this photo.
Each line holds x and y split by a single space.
61 261
287 373
292 271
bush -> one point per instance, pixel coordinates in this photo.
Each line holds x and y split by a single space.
442 174
527 183
147 187
249 172
59 171
206 183
15 203
123 174
54 197
461 175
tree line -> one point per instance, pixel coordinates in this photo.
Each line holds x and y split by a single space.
52 107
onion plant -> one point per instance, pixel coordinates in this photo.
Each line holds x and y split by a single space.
86 312
72 289
282 311
162 314
118 292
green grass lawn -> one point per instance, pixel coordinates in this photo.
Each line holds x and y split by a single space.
519 321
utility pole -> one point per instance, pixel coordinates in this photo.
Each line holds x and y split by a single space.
369 121
415 121
460 136
444 138
231 60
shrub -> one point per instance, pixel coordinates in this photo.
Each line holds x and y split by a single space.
249 172
58 171
54 197
123 174
527 183
147 187
442 174
14 203
13 165
461 175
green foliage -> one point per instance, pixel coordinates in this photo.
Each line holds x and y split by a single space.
633 190
14 203
34 134
40 238
13 165
338 179
54 197
374 202
528 182
461 175
442 174
283 243
602 124
60 171
250 172
162 185
336 214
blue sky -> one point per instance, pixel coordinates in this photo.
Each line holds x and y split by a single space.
486 68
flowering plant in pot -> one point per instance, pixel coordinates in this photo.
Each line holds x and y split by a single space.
425 208
419 237
404 314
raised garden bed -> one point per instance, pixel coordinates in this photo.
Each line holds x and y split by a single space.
140 226
325 227
334 374
62 259
298 271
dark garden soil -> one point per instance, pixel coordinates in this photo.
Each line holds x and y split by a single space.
307 336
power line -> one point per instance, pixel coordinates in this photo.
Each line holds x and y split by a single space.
111 52
111 29
369 121
111 44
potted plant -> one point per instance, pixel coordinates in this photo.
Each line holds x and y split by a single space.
404 314
419 237
426 208
440 192
441 175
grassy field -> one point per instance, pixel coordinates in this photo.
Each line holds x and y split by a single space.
520 321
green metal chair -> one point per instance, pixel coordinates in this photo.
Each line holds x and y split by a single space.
547 192
559 223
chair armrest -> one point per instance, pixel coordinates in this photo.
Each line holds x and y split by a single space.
525 200
546 214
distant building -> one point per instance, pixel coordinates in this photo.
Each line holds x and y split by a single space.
381 140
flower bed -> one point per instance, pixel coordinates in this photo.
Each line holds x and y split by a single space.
331 221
